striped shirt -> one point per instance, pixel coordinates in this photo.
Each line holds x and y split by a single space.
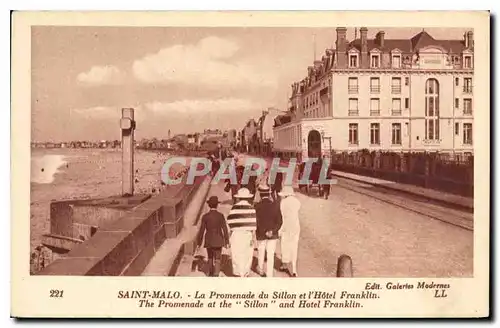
242 217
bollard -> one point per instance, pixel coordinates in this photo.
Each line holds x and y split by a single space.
127 125
344 266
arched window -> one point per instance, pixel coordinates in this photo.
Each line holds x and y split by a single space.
432 109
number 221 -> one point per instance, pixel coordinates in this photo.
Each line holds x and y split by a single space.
56 293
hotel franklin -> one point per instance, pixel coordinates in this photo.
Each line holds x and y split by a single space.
409 95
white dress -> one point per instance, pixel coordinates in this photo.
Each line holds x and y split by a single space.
290 230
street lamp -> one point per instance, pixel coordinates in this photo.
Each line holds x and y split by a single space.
329 141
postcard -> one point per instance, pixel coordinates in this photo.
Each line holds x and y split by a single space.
250 164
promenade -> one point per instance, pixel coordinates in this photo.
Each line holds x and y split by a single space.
383 239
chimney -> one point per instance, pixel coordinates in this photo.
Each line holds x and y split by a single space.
469 43
365 60
341 45
380 38
364 39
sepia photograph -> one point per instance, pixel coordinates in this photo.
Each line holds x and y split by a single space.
389 109
336 150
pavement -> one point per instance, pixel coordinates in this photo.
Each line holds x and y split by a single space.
383 240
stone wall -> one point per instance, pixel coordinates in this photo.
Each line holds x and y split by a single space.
125 246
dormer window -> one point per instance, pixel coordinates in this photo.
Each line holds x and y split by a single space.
375 61
396 61
353 60
467 61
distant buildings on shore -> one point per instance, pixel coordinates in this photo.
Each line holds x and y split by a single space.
78 144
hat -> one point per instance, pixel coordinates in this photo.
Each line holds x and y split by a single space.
243 193
213 201
264 189
287 191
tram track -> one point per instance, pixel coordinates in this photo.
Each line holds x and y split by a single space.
446 215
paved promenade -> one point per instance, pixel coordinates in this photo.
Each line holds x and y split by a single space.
383 240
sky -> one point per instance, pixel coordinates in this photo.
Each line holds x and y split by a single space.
183 79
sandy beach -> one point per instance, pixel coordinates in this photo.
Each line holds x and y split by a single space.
62 174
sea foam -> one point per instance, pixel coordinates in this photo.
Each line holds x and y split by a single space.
50 165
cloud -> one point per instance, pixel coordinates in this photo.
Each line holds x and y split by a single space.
102 75
98 112
187 110
210 62
200 107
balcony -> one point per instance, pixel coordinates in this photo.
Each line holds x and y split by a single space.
467 111
467 89
396 112
396 89
375 89
353 89
353 112
375 112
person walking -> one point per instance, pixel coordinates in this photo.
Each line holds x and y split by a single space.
242 224
290 230
268 224
214 229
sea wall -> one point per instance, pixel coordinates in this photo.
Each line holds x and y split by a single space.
126 245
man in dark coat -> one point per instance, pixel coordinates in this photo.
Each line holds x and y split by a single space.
214 229
268 224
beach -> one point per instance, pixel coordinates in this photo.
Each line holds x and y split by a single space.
64 174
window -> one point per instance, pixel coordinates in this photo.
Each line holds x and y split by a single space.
353 106
375 61
375 134
457 129
396 133
396 61
396 85
432 110
407 80
457 103
407 103
467 85
468 62
457 81
467 133
467 106
353 133
374 85
353 61
375 107
396 106
353 85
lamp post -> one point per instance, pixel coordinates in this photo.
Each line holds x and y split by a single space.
329 142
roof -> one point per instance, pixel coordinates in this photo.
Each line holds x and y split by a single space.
282 119
417 42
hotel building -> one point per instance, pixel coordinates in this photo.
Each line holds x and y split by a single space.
382 94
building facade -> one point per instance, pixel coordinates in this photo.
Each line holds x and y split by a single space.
383 94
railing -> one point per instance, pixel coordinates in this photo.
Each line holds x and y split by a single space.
353 89
396 112
375 89
467 89
375 112
468 111
353 112
396 89
427 170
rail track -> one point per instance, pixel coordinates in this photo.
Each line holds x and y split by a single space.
461 219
